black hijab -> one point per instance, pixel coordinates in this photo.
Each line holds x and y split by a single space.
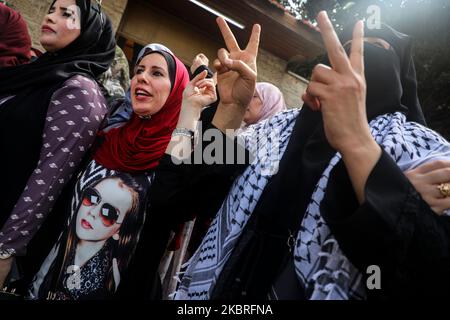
22 120
377 83
22 117
261 252
90 55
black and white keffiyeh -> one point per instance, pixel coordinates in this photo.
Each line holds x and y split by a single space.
266 141
319 262
320 265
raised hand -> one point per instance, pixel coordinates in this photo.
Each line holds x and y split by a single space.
236 72
341 89
340 93
200 92
199 60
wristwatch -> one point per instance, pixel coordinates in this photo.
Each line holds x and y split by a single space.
6 253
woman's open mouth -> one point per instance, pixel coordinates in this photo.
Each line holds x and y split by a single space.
142 94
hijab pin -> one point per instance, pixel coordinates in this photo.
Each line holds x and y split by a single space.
145 117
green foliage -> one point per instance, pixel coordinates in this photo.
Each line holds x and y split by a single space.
6 4
427 21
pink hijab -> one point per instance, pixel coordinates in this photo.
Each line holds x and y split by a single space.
271 98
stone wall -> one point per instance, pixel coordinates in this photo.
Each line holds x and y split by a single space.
273 69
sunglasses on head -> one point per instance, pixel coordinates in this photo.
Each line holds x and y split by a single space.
108 214
153 47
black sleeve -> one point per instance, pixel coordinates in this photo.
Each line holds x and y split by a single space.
393 229
178 193
196 188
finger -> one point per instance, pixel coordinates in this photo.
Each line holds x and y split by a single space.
317 89
201 56
311 102
202 75
314 100
220 68
307 101
207 87
253 43
430 193
433 165
228 36
357 51
224 57
317 103
440 205
336 53
437 176
242 68
205 82
324 74
236 65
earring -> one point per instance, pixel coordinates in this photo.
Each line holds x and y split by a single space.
115 236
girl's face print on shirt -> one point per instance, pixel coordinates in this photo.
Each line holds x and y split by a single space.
103 208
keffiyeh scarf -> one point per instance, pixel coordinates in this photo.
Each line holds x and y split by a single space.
321 266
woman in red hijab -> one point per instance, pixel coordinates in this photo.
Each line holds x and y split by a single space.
108 207
15 41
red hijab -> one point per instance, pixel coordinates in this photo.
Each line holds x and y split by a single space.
140 143
15 41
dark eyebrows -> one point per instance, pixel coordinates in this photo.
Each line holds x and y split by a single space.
140 66
66 10
159 68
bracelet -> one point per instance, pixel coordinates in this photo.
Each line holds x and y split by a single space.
183 132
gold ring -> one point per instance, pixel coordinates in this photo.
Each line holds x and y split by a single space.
444 189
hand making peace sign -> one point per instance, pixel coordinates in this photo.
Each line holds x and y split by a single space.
236 68
341 89
341 92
